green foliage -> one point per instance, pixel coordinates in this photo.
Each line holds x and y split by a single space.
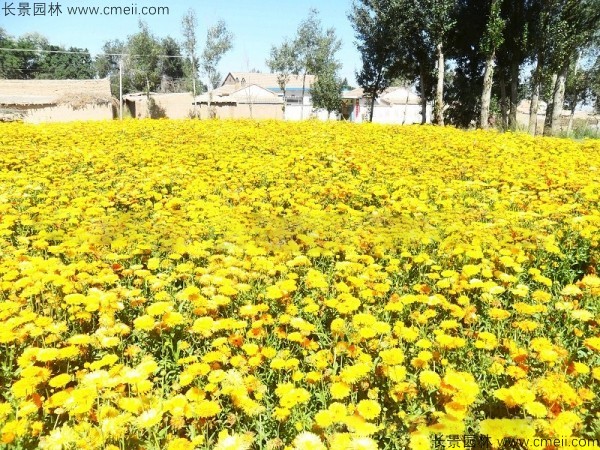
327 92
595 81
494 33
219 40
374 30
284 62
75 65
314 47
143 60
11 63
191 65
171 63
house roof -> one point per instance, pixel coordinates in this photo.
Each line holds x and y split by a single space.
76 93
395 95
230 93
269 80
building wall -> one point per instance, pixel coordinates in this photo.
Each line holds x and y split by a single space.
64 113
294 112
392 114
400 114
172 106
242 111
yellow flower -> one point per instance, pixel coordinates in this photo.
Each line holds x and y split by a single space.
60 380
392 356
144 323
324 418
593 343
308 441
429 378
419 440
180 444
207 408
368 409
149 418
233 442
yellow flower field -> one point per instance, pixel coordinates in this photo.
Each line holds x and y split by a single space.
270 285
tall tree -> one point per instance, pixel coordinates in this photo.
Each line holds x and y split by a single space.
219 40
326 92
575 26
107 63
438 20
512 54
375 31
171 61
60 63
144 50
284 63
315 49
492 39
189 24
595 83
578 88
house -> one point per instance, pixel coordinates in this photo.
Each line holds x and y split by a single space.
38 101
296 106
293 88
394 105
237 100
172 106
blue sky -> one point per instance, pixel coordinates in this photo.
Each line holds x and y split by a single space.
257 25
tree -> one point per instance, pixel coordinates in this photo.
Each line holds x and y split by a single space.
171 61
75 64
403 38
345 85
578 88
516 48
283 61
595 83
107 63
326 92
189 23
492 39
314 49
437 21
575 25
12 63
374 30
219 40
143 60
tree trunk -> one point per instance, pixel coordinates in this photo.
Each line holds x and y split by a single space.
533 108
559 100
535 97
284 102
372 108
514 95
550 108
302 99
405 107
439 93
423 97
574 99
486 95
571 117
195 110
503 107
